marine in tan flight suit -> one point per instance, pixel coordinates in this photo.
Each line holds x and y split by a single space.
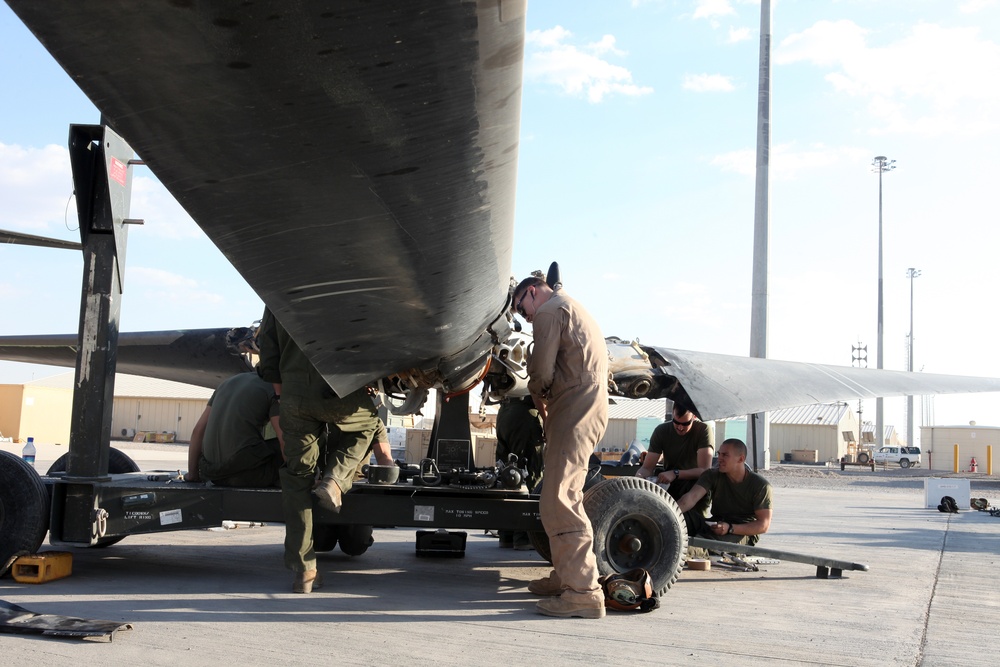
568 372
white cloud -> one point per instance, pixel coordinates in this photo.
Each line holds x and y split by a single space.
147 276
548 39
163 216
738 35
578 71
35 186
788 162
708 83
157 285
606 45
934 81
707 9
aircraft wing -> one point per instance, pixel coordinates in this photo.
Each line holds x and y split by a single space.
356 162
203 357
727 386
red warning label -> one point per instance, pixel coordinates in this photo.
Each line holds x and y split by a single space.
118 171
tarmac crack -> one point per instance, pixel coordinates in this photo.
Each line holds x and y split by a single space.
930 599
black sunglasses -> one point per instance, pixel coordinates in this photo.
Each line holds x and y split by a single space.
518 307
680 423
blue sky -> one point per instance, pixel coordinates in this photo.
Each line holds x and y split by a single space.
636 174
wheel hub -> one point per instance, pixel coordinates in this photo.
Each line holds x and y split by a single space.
630 543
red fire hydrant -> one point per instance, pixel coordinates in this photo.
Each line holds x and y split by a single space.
973 466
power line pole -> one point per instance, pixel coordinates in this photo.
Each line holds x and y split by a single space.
859 358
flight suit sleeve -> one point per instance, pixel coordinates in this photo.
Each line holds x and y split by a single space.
542 363
268 364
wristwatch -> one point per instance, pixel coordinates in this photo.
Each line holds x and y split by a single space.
677 473
730 531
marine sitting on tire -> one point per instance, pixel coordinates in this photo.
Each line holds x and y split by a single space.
741 499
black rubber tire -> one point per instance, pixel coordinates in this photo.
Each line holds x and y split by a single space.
539 540
623 508
540 543
24 509
904 463
863 457
118 462
325 537
354 539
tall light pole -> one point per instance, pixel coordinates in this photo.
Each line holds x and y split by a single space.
758 435
881 164
911 273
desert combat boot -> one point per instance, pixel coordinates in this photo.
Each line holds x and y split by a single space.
564 607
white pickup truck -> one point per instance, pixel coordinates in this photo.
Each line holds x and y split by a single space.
904 456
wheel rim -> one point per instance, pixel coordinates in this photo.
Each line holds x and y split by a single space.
633 542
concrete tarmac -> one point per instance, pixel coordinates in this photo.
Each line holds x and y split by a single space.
214 596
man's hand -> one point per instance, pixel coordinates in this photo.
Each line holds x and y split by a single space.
192 476
721 528
666 477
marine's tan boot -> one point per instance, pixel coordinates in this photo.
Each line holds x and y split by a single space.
329 494
549 586
305 582
563 607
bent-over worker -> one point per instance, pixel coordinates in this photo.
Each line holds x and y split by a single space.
228 447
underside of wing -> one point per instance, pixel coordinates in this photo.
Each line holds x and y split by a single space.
355 161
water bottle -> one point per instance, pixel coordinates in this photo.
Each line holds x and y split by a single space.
28 453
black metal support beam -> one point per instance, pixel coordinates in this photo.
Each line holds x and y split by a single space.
451 422
101 180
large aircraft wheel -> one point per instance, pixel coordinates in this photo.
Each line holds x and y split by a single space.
637 524
904 463
24 509
118 462
863 457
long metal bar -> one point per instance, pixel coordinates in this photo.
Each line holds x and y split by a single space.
825 566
